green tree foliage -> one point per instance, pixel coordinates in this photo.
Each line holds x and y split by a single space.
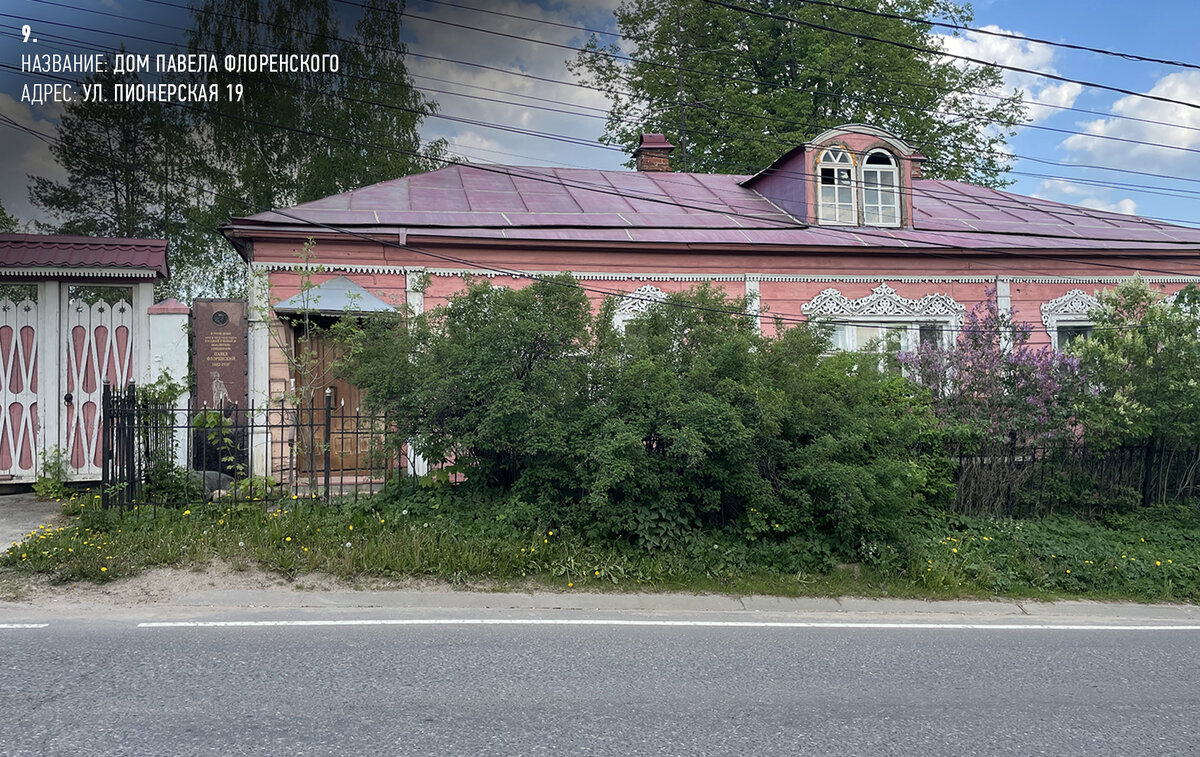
735 90
1143 361
116 158
7 222
689 419
296 137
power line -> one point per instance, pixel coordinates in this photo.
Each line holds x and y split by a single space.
786 144
967 58
993 33
591 144
786 318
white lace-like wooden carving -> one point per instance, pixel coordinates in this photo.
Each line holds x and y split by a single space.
636 303
99 347
18 387
1072 308
884 302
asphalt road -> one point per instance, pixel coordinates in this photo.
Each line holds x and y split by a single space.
457 682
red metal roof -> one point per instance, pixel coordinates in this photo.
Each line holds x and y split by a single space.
533 203
54 251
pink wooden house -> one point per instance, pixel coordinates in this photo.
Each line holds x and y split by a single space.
841 228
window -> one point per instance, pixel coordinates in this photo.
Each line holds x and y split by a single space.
881 197
885 317
836 190
1068 318
1068 334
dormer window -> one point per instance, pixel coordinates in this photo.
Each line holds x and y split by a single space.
880 182
836 171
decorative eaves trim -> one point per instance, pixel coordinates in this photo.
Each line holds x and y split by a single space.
884 301
55 272
334 267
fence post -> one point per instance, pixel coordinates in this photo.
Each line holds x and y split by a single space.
105 442
328 434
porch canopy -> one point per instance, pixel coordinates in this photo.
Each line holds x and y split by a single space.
339 296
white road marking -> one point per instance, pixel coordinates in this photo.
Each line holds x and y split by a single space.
666 623
23 625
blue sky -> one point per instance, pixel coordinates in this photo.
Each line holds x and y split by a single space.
1157 28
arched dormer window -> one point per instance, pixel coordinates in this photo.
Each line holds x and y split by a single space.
836 190
880 186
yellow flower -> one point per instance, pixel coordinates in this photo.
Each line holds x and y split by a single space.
1068 570
545 541
304 548
570 585
351 528
381 520
597 572
954 550
104 570
187 512
288 539
1158 562
552 533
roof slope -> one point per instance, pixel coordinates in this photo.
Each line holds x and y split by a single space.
533 203
54 251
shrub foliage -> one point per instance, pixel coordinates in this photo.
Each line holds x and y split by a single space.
687 419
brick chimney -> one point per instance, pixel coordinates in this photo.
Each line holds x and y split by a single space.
652 154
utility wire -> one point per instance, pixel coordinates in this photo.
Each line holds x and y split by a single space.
967 58
818 320
927 192
589 143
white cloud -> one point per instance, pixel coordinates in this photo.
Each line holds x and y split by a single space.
25 154
524 54
1039 92
1173 125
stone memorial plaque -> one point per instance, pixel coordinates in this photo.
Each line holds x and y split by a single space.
219 334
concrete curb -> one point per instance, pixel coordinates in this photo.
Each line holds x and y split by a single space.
688 603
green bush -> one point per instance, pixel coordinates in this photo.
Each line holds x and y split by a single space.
688 420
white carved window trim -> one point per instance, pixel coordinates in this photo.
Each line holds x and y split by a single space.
884 307
1071 309
635 304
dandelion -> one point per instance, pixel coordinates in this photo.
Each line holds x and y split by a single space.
104 570
304 548
288 539
545 541
381 520
1068 570
954 550
404 512
1158 562
351 528
570 585
597 572
187 512
552 533
241 543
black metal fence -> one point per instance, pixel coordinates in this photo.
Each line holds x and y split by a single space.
176 456
1004 479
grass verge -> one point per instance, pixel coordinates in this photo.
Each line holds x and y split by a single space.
1151 556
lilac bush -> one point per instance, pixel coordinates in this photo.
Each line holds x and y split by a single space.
992 382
